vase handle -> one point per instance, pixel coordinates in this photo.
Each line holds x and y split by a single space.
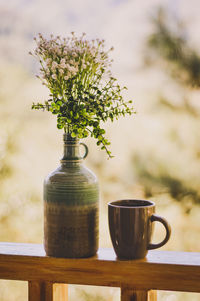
86 150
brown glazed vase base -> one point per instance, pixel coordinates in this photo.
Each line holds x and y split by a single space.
70 230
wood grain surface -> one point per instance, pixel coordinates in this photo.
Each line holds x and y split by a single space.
40 291
128 294
162 270
60 292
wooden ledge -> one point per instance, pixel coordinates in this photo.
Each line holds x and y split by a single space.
161 270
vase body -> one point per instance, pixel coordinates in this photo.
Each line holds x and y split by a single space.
71 213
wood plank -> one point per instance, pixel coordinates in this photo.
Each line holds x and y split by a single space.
40 291
60 292
128 294
152 295
47 291
161 270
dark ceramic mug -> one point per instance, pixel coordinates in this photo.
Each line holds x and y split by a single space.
131 227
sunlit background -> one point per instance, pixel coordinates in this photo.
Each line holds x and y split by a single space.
157 151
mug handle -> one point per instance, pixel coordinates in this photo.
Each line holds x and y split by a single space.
162 220
86 150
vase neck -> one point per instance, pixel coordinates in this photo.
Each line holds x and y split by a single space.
71 150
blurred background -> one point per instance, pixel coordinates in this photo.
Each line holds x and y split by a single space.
157 151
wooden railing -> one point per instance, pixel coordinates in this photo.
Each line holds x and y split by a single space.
161 270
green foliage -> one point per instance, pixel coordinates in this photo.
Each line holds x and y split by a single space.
172 46
184 107
83 93
169 48
158 180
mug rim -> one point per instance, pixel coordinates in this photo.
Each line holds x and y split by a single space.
115 204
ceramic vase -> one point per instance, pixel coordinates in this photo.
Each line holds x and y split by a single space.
71 212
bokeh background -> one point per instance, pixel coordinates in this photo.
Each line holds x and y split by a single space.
157 151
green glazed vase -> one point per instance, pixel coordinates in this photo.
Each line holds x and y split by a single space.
71 213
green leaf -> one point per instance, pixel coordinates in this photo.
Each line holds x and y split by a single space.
73 135
60 126
102 131
59 103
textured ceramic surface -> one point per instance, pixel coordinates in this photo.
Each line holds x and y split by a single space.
131 227
71 197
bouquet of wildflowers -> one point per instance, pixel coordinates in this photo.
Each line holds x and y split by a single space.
83 92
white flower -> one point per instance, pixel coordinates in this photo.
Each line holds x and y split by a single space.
65 51
62 65
68 67
93 51
72 69
48 61
65 58
54 64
